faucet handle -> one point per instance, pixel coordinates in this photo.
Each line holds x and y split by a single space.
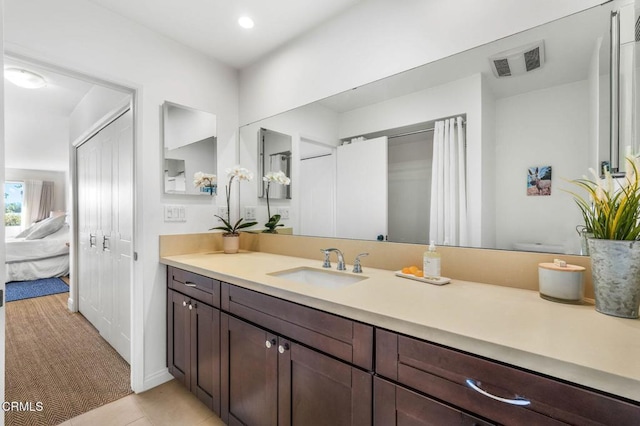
357 268
327 263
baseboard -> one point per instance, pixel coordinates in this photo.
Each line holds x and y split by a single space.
154 380
71 305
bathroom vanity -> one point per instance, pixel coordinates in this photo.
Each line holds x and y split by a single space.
261 349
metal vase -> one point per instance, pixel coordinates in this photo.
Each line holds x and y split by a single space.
615 267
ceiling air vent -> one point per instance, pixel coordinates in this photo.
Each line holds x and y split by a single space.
518 61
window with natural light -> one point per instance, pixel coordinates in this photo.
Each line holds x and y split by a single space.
13 197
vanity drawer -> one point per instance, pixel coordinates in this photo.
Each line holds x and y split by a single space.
199 287
340 337
443 373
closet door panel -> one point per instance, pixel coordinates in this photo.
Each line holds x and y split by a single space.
121 242
105 233
82 170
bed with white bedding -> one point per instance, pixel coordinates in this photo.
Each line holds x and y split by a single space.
31 259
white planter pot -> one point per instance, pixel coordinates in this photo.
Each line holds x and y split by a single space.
231 243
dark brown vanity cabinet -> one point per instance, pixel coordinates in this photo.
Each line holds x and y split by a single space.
193 342
497 392
274 381
269 379
397 405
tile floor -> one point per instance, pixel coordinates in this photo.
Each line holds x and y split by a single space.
166 405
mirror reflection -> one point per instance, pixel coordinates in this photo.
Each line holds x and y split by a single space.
189 137
274 155
537 100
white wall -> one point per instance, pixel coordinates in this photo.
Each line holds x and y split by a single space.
80 36
488 162
48 136
531 129
377 38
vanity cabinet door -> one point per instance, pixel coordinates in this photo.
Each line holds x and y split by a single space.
205 354
178 337
193 347
398 406
249 374
319 390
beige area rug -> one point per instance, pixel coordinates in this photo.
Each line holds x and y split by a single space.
57 358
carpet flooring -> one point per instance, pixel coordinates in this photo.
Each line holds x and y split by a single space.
58 359
19 290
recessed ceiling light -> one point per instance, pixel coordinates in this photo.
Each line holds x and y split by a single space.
245 22
24 78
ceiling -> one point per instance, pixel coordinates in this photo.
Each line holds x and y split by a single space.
37 120
211 27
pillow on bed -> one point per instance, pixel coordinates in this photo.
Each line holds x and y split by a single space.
45 227
26 232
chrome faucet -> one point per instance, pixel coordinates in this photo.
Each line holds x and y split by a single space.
357 268
327 263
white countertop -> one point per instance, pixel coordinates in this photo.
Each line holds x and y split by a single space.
571 342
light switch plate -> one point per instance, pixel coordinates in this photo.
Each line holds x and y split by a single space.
175 213
249 213
283 212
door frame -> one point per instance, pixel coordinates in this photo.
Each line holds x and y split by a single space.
137 300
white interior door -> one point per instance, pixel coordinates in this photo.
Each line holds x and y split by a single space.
121 243
88 177
105 231
317 180
361 207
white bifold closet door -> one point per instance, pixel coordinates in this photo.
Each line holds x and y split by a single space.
104 167
361 202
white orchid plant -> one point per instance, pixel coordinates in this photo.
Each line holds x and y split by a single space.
205 180
280 178
239 173
612 209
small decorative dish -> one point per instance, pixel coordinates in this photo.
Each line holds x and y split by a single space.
435 281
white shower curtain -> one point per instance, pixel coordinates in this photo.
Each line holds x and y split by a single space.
448 219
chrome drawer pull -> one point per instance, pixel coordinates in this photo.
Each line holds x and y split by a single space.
517 401
190 284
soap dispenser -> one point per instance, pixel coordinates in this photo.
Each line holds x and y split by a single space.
431 262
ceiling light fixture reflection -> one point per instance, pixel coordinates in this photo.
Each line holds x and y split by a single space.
23 78
245 22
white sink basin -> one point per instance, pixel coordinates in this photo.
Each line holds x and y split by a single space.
319 277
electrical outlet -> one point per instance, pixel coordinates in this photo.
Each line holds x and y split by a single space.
222 212
249 213
283 212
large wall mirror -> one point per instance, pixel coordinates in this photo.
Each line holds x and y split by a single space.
189 147
523 114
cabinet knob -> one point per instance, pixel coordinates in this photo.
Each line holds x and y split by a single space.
184 303
270 343
283 348
190 306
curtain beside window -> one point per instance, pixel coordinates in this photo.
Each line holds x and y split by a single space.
38 201
46 200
